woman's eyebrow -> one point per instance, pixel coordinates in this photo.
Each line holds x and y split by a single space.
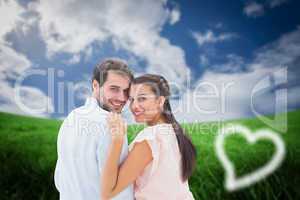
142 94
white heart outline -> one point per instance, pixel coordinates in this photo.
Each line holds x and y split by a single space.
233 183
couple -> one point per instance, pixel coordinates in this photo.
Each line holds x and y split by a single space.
94 162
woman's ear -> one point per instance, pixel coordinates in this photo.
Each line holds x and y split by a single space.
162 100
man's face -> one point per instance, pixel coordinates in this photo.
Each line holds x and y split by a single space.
114 92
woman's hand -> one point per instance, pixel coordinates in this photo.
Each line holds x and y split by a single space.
117 126
117 129
115 178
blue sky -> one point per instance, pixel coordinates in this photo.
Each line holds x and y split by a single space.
214 53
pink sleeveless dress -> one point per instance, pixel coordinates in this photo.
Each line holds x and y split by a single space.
161 179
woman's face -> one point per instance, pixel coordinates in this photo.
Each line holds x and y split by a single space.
144 104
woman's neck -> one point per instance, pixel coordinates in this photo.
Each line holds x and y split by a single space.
159 120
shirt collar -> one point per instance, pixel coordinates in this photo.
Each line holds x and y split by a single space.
93 102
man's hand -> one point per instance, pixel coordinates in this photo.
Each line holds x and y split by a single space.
117 126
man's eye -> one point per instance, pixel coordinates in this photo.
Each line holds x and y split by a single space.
126 94
114 89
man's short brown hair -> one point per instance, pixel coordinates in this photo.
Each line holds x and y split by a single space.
112 64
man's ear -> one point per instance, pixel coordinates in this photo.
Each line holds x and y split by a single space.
95 85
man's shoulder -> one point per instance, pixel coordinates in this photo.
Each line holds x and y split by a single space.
87 113
82 119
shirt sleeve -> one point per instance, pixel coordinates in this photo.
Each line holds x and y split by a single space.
102 147
65 127
148 135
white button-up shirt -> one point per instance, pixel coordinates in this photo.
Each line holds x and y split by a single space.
82 147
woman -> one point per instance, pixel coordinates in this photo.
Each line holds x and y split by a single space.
161 157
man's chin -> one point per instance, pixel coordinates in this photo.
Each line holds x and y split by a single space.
117 110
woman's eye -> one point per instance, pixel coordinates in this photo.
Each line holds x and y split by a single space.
141 99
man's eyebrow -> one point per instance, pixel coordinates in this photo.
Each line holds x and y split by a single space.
116 86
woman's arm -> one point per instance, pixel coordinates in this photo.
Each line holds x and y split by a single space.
115 178
110 170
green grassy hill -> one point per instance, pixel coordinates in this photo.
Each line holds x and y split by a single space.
28 156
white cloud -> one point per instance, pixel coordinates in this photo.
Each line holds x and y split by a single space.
281 52
32 101
11 10
275 3
174 16
235 63
284 52
204 60
14 64
74 59
88 54
63 30
71 26
224 96
254 9
210 37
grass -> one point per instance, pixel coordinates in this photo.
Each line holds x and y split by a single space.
28 156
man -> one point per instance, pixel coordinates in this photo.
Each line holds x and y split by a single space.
83 138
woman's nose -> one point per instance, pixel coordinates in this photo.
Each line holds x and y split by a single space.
133 105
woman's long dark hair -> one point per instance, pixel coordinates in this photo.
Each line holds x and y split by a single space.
160 87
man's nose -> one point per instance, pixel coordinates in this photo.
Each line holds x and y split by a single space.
122 97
